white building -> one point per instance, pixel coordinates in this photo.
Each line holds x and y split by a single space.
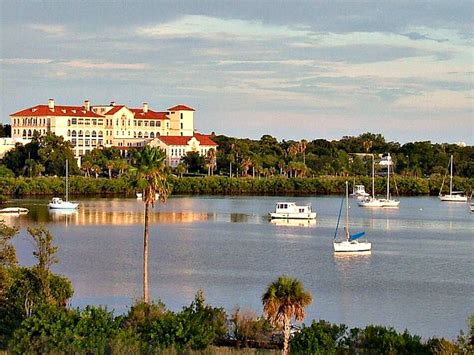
88 127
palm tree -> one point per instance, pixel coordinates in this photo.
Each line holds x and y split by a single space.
211 161
284 299
150 176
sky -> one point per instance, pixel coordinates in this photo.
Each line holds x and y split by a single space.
291 69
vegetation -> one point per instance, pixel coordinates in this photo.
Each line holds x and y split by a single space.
150 177
283 300
263 166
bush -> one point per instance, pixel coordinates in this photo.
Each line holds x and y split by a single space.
319 338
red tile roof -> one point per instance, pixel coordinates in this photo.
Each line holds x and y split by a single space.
183 140
181 108
114 110
153 115
44 110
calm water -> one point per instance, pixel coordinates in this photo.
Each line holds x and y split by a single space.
419 275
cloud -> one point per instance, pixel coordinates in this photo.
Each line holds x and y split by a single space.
14 61
207 27
86 64
52 30
438 100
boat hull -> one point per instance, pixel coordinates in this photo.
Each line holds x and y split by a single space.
453 198
352 247
277 215
14 210
63 206
379 203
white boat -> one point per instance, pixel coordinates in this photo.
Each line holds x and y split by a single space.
139 195
453 196
59 203
350 244
471 207
359 192
290 210
14 210
386 202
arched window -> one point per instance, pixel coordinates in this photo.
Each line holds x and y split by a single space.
80 134
88 134
94 134
139 134
69 133
29 133
73 133
101 134
152 135
24 133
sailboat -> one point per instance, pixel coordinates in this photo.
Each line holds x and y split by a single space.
350 243
59 203
453 196
386 202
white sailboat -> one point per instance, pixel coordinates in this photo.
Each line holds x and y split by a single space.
350 244
386 202
59 203
453 196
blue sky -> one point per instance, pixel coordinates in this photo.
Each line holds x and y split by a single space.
292 69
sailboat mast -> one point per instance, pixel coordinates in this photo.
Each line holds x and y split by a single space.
373 176
388 177
347 210
67 182
451 177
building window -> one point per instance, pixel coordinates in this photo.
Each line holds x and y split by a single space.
101 134
74 134
152 135
88 134
94 122
181 125
152 123
181 115
80 134
68 132
94 134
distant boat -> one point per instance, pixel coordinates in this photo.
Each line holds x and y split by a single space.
290 210
359 192
386 202
453 196
14 210
350 244
59 203
139 195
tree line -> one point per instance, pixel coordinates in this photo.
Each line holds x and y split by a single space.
266 157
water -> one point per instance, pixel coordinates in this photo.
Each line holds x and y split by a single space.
419 276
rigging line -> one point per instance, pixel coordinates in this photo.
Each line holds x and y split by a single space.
338 218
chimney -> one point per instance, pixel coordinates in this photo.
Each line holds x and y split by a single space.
112 103
87 105
145 107
51 103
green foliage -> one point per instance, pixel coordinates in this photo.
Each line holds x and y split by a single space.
319 338
5 172
195 162
55 329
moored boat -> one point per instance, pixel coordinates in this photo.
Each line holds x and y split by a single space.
59 203
14 210
453 196
350 243
359 192
290 210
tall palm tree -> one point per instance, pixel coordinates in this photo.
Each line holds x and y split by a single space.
284 299
152 179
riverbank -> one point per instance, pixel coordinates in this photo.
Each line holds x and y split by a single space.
219 185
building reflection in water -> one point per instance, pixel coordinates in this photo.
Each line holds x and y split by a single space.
98 217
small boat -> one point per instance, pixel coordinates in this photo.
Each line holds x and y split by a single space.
290 210
359 192
350 244
386 202
59 203
139 195
14 210
453 196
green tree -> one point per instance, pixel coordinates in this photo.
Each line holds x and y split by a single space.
149 164
53 152
194 161
284 299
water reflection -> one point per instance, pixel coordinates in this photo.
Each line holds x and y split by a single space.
294 222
